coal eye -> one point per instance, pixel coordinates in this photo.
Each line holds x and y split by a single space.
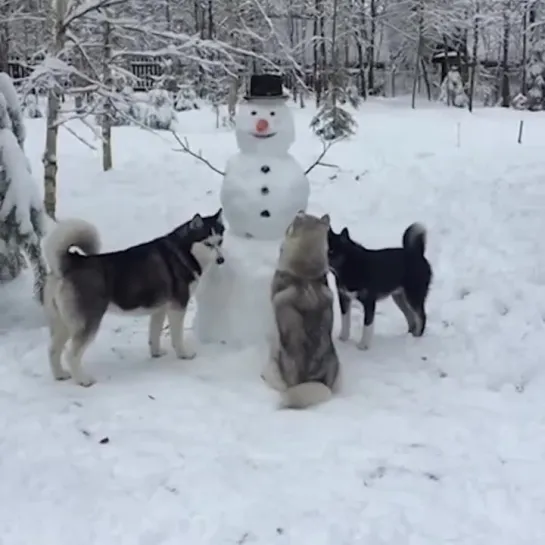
254 112
273 114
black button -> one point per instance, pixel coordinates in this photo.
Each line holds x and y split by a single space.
265 169
265 214
264 190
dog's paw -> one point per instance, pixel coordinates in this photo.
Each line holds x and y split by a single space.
363 346
185 352
62 374
157 352
85 380
344 336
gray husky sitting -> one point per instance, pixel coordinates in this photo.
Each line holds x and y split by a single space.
156 278
303 361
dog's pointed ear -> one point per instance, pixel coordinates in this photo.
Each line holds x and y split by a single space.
325 220
196 222
296 221
289 230
345 234
218 216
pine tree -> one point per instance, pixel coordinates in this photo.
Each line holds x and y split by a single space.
22 217
332 121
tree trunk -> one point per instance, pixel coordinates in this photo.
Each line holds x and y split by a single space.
359 36
232 98
371 47
416 75
524 59
505 90
53 108
107 79
5 11
316 56
335 84
426 78
50 154
323 49
473 71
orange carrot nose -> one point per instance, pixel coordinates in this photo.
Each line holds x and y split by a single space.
262 125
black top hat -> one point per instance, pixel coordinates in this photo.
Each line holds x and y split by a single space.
265 86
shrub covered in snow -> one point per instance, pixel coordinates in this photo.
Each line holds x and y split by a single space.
22 216
186 99
536 76
519 102
7 89
160 112
452 90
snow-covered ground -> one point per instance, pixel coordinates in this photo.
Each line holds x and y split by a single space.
433 441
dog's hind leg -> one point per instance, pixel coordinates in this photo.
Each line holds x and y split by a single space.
59 337
416 302
176 318
157 319
345 303
270 373
369 306
401 301
78 344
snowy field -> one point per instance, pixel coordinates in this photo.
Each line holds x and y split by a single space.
438 440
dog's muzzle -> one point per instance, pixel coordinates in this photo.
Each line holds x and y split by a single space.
220 259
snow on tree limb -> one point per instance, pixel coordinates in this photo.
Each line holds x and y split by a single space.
22 199
14 112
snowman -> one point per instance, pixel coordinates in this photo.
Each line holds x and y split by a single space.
263 189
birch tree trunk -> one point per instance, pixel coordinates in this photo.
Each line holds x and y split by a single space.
58 39
107 161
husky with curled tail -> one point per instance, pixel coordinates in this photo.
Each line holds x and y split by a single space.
156 278
303 362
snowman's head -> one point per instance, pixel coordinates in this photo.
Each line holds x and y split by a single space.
264 126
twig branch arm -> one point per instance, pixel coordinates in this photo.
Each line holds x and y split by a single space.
318 161
184 145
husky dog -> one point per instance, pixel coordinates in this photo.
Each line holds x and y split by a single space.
371 275
303 361
156 278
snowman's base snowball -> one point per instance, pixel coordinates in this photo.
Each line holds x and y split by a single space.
233 299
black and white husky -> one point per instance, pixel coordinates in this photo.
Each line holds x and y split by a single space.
371 275
156 278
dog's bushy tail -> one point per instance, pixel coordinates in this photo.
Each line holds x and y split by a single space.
414 239
67 234
305 395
